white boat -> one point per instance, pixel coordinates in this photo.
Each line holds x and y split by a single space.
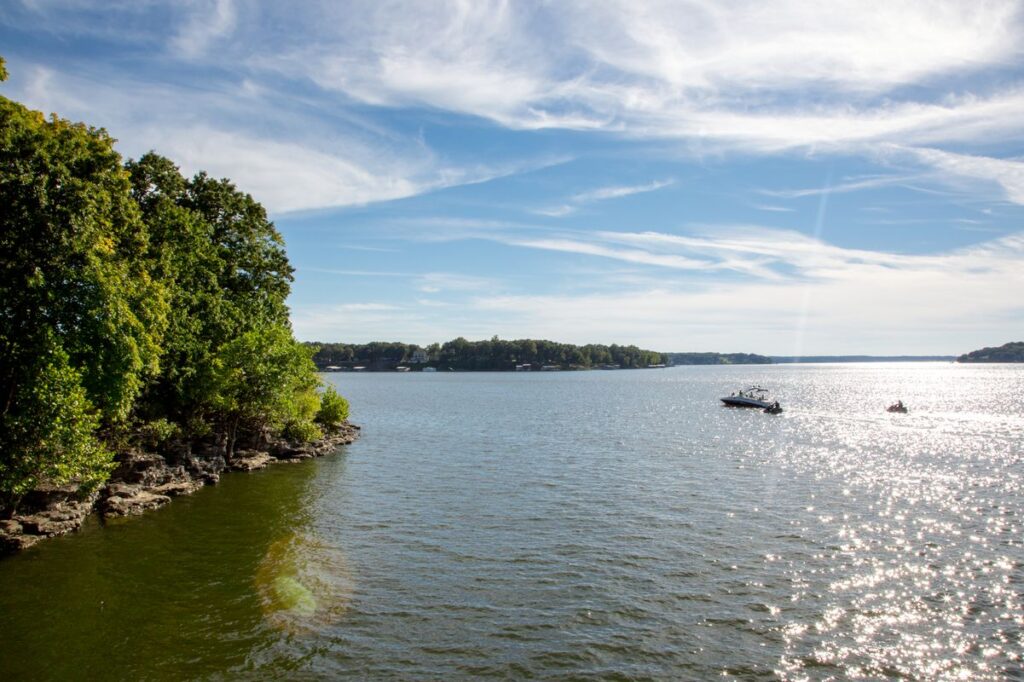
755 396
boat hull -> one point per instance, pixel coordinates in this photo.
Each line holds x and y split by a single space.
741 401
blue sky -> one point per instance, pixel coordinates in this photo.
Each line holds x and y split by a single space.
732 176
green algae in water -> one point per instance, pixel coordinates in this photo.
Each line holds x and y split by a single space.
291 595
303 582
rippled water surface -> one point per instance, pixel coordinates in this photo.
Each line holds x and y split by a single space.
600 525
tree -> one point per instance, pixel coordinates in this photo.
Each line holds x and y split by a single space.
49 430
226 270
265 379
333 409
80 317
132 293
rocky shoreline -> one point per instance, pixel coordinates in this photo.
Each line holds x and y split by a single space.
144 480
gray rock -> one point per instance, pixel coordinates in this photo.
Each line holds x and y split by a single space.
176 488
250 460
118 505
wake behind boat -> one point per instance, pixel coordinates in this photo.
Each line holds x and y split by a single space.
755 396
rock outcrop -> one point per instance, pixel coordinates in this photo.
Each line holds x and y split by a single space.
143 480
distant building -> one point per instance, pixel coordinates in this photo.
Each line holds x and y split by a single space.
419 356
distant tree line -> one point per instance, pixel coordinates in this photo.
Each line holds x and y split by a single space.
136 306
1008 352
494 354
717 359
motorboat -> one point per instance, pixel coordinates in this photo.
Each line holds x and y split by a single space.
774 408
898 407
755 396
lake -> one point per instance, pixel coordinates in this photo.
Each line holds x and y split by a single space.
592 525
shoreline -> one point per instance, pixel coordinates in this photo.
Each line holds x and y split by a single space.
146 480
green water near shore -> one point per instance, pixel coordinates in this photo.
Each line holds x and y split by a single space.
196 588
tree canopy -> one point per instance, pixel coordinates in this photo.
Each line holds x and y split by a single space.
132 295
1008 352
493 354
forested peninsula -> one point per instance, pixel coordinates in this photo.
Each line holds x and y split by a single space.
144 338
1008 352
487 355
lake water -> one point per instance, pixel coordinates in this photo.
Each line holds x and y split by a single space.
598 525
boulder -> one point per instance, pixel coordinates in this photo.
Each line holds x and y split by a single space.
250 460
125 501
59 519
176 488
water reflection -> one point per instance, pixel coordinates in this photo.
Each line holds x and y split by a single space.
304 583
169 595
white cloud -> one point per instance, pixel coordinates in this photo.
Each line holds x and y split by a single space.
761 77
1007 174
843 301
210 21
305 164
850 44
834 300
601 194
437 282
628 255
840 188
854 77
753 251
604 193
740 76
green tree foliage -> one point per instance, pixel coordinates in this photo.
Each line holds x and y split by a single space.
80 316
333 409
73 263
493 354
1008 352
718 359
49 430
264 379
225 265
133 300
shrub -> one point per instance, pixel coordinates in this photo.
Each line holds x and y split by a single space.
333 409
301 431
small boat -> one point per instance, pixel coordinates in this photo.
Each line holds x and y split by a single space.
897 406
774 408
755 396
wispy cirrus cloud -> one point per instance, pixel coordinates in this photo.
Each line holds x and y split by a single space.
580 199
209 21
817 296
634 67
854 185
437 282
307 164
739 77
1006 174
735 77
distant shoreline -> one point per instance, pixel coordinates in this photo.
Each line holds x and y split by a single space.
792 359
